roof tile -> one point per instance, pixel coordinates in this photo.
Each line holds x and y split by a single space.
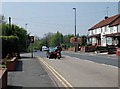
109 21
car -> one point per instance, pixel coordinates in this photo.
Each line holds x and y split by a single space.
45 48
51 53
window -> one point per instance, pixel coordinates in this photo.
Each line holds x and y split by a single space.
105 29
109 41
93 40
118 28
95 31
111 29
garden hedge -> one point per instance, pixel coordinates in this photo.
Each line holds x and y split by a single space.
10 45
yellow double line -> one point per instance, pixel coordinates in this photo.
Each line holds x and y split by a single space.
56 74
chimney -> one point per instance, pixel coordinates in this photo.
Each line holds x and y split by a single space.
106 17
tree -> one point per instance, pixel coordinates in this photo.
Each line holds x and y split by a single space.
83 40
15 30
66 40
2 19
56 39
47 39
22 35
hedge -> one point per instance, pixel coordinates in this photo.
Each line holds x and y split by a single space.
10 45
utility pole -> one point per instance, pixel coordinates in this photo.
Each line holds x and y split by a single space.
75 32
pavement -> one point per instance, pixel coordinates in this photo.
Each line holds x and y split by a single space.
30 74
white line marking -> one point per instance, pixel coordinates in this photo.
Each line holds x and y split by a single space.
92 61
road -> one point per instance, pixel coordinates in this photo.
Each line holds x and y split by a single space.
83 70
103 59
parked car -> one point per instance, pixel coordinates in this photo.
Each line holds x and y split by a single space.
45 48
51 53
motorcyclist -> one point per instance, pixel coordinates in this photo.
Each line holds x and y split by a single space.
59 49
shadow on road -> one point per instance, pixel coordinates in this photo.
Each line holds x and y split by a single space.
62 56
20 87
18 66
24 57
14 87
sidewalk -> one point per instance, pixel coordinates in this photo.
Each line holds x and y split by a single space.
29 74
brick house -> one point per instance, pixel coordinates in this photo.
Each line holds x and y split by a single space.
106 32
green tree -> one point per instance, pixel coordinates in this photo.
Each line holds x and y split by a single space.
83 40
22 35
47 39
15 30
66 40
56 39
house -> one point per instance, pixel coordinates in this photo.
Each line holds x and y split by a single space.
106 32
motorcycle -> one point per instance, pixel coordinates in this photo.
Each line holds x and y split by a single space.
58 54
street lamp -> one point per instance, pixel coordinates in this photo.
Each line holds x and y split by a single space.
27 38
75 31
26 26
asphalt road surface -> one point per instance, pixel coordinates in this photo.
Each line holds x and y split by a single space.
103 59
83 70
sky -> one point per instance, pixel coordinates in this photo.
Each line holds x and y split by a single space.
44 17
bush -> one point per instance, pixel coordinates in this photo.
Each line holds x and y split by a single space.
10 45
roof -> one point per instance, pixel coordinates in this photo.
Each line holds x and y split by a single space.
115 22
108 21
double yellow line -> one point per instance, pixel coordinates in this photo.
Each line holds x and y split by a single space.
64 82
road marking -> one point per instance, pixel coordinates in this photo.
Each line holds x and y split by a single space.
91 61
101 64
109 65
56 74
96 55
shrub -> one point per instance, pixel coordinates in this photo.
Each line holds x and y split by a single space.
10 45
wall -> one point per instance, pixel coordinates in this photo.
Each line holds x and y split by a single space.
3 78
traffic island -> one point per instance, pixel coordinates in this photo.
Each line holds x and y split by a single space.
3 78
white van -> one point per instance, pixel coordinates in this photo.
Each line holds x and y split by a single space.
44 48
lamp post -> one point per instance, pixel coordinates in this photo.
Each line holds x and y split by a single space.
10 26
26 27
75 32
27 38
